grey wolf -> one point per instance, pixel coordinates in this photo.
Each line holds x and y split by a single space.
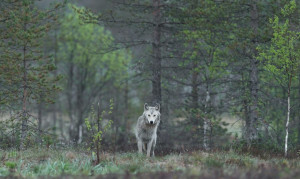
146 129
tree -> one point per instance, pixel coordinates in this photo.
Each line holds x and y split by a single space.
96 128
249 28
204 46
25 68
91 70
149 27
281 58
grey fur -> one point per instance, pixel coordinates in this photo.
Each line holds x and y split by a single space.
145 131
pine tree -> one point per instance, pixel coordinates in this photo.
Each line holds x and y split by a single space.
26 69
203 63
249 28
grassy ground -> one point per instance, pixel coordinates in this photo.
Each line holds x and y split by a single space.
57 163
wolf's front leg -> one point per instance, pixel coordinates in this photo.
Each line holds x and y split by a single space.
153 147
140 146
149 146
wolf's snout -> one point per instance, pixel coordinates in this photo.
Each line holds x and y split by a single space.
151 122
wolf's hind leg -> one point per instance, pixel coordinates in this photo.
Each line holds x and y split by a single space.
140 145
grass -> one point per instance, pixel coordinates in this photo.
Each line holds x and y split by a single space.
41 162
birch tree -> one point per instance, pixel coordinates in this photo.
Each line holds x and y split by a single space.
281 58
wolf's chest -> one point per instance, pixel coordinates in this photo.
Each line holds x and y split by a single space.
147 133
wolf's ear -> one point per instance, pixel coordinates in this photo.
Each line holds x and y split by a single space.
157 106
146 107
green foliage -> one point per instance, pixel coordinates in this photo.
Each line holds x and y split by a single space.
281 58
93 64
96 128
204 63
10 165
203 40
26 72
89 46
48 139
23 63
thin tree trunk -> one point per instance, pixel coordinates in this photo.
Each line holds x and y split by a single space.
78 136
206 124
287 125
125 119
115 120
156 48
24 101
61 125
54 119
79 107
288 116
69 99
55 74
195 119
98 129
298 107
251 125
195 95
39 124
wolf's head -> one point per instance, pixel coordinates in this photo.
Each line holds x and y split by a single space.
151 114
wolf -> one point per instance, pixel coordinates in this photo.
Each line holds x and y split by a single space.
146 129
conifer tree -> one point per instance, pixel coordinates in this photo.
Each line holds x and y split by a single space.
25 70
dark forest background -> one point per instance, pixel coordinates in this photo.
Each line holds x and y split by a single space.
226 73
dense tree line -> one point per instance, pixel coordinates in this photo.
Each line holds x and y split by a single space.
200 60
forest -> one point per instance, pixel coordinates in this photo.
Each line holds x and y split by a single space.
223 77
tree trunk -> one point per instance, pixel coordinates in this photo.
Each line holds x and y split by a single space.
69 98
39 137
80 102
251 125
195 95
55 74
298 107
206 124
24 101
61 125
126 117
98 129
78 136
54 119
287 125
288 116
156 48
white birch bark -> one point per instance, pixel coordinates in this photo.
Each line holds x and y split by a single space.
287 128
80 135
206 124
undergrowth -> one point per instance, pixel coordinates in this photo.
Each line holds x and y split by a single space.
42 162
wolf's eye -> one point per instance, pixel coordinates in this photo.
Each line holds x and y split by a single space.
154 115
149 115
